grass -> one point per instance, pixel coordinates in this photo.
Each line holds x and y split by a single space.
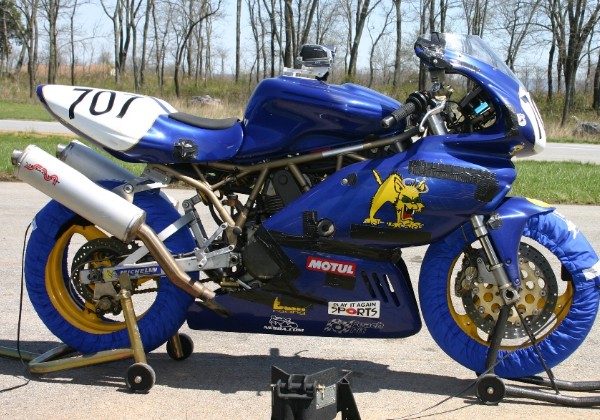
558 182
553 182
19 141
12 110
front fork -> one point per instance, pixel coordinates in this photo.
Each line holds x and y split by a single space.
509 294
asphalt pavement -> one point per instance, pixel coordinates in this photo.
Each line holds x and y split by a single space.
228 375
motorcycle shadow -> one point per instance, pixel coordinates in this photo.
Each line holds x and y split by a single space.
229 374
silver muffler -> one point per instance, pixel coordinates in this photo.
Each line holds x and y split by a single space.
91 163
105 209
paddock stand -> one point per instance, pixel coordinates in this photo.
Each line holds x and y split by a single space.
318 396
140 376
491 389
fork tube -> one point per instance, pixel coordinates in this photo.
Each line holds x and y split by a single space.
508 293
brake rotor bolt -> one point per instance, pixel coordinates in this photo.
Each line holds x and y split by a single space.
481 310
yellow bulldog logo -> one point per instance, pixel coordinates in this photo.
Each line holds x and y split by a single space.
404 194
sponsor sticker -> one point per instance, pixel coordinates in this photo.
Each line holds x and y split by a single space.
278 323
39 168
340 326
278 307
331 266
364 309
112 275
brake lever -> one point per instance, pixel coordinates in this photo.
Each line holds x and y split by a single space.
437 109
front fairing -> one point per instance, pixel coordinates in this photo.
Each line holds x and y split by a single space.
519 129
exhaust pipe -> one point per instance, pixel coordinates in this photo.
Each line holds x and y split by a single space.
91 163
110 212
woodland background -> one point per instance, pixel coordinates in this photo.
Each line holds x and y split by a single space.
177 48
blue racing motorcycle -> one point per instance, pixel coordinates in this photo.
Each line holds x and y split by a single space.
312 197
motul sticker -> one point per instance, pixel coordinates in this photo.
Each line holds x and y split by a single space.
365 309
331 266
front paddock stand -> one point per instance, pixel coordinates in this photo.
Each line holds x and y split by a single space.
140 376
491 389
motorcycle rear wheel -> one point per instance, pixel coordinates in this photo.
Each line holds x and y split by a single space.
560 313
66 308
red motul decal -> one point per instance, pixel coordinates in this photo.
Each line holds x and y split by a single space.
43 171
331 266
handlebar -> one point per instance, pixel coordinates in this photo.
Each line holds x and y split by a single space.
398 115
416 102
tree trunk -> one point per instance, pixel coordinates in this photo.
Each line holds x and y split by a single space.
143 59
550 72
360 24
289 35
398 55
596 101
238 31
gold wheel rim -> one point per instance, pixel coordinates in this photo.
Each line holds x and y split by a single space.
85 318
466 324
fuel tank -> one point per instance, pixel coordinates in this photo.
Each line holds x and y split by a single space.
287 115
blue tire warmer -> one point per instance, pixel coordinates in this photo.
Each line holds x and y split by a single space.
160 322
577 256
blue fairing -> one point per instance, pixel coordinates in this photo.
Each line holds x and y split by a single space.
439 193
291 114
381 289
157 145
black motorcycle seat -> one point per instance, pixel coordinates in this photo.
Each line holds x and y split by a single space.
201 122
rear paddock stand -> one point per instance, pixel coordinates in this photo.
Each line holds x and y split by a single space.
491 389
140 376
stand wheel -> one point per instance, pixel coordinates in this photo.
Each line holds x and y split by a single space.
187 348
490 389
140 377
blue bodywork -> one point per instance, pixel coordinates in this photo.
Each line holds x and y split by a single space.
375 207
411 198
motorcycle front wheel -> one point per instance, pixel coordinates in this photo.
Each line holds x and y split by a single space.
558 298
62 242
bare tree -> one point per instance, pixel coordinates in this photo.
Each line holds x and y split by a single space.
476 12
398 49
290 35
29 35
144 57
363 10
383 31
238 33
326 18
517 19
573 21
184 25
51 10
72 35
596 88
123 18
270 7
161 37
